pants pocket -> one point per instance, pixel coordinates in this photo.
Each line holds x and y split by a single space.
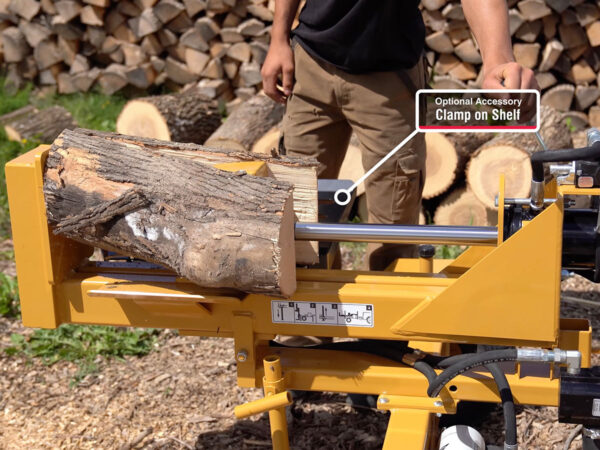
406 203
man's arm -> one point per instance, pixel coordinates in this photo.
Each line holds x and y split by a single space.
489 22
280 58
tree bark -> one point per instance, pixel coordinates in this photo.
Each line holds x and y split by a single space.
218 229
247 124
44 125
184 117
301 172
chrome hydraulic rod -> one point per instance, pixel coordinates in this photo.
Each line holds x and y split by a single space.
397 234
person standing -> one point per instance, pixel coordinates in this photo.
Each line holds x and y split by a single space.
355 66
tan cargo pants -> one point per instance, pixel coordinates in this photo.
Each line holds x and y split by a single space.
328 104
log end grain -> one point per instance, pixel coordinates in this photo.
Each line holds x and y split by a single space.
484 169
140 118
442 161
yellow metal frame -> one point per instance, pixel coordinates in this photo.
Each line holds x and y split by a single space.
502 295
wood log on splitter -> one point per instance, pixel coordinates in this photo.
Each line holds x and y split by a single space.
218 229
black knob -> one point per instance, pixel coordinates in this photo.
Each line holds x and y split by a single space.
426 251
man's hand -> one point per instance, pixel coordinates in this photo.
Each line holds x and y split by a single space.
509 76
279 62
513 76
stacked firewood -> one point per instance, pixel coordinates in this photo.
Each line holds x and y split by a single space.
558 39
75 44
221 45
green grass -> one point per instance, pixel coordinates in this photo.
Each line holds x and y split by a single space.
77 343
91 110
83 345
448 251
9 296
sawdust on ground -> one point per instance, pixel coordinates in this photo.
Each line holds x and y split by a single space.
182 395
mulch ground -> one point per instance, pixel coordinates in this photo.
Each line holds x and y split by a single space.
181 396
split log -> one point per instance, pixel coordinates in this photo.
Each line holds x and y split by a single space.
559 97
249 122
593 34
533 9
527 54
509 153
218 229
447 155
461 207
440 42
14 45
594 116
184 117
545 80
551 53
586 96
44 125
27 9
576 120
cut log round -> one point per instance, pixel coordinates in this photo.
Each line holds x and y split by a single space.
44 125
248 123
447 155
461 207
184 117
509 154
218 229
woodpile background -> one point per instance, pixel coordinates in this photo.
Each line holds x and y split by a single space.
221 44
213 50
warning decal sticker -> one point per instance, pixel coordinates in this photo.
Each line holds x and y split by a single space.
320 313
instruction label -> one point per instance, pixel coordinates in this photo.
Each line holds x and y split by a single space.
321 313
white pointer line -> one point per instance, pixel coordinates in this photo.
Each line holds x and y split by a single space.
358 182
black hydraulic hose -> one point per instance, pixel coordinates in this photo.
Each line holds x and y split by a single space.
450 360
468 363
539 158
508 404
426 370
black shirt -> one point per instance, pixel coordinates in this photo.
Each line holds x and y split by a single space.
363 35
